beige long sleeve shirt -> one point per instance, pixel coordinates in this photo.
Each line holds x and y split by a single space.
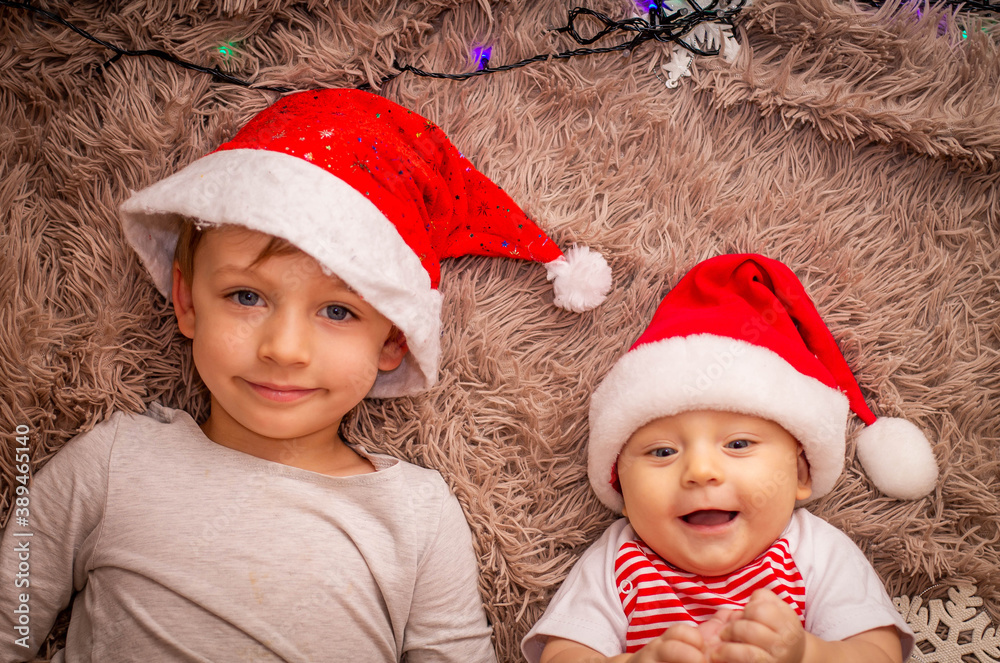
179 549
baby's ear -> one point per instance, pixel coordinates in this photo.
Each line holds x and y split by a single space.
805 488
183 302
393 350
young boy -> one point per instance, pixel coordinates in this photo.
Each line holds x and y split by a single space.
728 411
302 261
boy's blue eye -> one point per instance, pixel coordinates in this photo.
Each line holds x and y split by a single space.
246 298
739 444
663 452
337 312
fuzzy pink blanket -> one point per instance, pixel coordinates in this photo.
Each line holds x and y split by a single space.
860 147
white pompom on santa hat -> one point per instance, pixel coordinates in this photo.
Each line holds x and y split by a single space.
374 192
738 333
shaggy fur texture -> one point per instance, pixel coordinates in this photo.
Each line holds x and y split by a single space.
861 148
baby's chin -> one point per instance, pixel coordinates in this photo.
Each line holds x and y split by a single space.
720 571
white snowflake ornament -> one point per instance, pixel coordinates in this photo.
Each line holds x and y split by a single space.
716 36
679 65
706 35
730 48
952 631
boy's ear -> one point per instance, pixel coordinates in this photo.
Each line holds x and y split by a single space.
393 350
805 489
183 302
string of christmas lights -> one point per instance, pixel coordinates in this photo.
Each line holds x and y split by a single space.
980 6
120 52
662 24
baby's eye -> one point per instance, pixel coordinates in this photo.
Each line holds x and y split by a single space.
337 312
663 452
739 444
245 298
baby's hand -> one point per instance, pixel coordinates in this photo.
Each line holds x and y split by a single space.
678 644
711 629
685 644
768 630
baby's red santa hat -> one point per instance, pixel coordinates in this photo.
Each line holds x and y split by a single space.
377 194
739 333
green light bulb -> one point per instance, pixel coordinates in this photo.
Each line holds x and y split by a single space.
227 50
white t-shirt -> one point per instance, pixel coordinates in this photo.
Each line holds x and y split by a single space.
180 549
844 596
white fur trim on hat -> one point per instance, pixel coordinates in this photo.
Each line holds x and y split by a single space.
897 458
709 372
289 197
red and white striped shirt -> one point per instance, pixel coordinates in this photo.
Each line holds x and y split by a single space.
656 596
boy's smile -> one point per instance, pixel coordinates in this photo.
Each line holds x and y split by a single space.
710 491
285 349
281 393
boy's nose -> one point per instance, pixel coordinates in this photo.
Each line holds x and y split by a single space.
284 340
702 467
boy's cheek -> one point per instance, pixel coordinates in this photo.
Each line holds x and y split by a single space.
362 377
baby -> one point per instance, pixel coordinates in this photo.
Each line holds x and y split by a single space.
726 414
302 259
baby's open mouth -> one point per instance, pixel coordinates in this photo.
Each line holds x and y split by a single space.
709 518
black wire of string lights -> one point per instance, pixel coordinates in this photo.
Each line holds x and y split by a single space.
120 52
662 24
982 6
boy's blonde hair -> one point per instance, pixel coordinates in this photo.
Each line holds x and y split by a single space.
189 237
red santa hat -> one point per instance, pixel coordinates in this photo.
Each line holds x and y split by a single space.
375 193
739 333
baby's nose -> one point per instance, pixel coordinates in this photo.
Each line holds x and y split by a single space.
702 467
